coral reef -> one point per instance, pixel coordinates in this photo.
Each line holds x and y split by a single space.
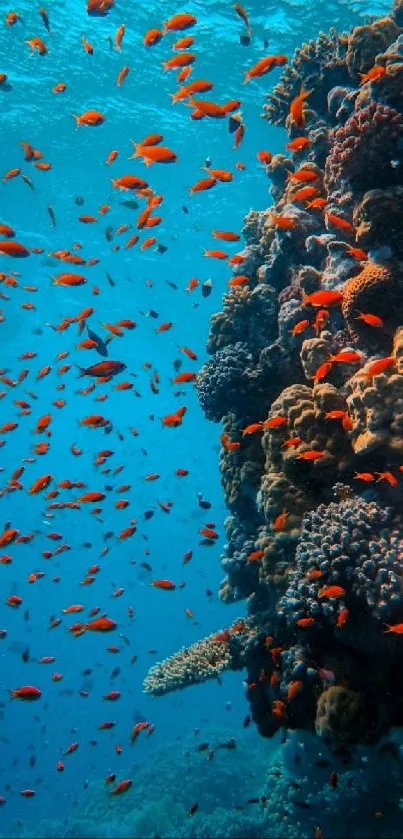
306 376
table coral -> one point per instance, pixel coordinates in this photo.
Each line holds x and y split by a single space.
201 661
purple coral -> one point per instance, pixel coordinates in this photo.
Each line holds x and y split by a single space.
362 151
357 546
231 381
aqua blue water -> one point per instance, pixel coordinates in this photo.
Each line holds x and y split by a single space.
30 112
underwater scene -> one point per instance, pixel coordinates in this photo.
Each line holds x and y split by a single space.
201 419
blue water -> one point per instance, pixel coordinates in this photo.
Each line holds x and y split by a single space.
31 112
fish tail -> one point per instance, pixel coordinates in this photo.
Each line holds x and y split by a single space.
82 370
305 93
77 119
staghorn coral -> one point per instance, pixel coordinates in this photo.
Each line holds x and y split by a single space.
378 220
361 154
204 660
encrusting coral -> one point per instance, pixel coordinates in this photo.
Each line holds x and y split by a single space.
306 376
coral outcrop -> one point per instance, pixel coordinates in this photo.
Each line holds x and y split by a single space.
306 376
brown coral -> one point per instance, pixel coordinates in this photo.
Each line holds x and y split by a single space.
376 408
345 717
376 290
366 42
378 220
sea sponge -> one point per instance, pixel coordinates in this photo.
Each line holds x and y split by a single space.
345 717
377 289
378 220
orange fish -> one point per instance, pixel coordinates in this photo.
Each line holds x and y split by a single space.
332 592
375 74
339 222
275 422
380 366
152 37
92 118
163 584
370 320
265 65
280 522
179 22
323 298
123 73
299 144
297 107
252 428
203 184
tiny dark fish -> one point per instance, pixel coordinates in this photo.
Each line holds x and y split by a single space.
109 534
172 285
148 514
209 592
322 763
86 545
109 233
27 615
110 280
253 800
244 40
115 672
202 747
25 656
303 804
162 248
28 181
205 505
185 209
130 204
87 671
79 200
233 124
152 314
228 744
207 543
177 364
32 760
146 566
52 216
133 659
207 288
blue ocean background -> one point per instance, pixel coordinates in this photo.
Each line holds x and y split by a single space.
30 112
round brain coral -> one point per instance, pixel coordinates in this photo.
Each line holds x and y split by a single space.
376 290
232 381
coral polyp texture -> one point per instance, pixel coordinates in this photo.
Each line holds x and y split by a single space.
306 378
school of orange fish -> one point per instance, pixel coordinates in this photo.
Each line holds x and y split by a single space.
30 476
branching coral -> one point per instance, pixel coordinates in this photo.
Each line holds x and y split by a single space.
318 64
202 661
